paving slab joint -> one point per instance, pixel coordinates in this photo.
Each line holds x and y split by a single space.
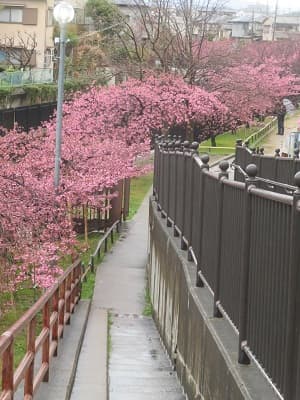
77 354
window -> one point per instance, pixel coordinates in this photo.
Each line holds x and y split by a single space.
11 15
50 17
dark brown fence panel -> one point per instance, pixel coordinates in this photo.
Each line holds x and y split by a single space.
156 168
7 118
164 189
197 210
208 254
188 193
285 171
172 187
231 248
267 167
116 204
160 180
180 190
268 283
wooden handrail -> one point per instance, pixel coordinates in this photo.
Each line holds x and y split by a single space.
56 304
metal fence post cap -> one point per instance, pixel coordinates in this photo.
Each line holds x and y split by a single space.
195 146
239 142
262 151
178 145
277 153
224 165
186 144
172 145
246 143
253 150
296 153
297 181
251 170
205 159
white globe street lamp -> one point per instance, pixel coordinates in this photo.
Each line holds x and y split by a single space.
63 13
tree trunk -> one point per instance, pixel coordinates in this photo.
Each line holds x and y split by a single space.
213 141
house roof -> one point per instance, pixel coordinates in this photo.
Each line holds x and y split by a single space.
284 20
243 18
130 3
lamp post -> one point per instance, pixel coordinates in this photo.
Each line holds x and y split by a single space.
63 13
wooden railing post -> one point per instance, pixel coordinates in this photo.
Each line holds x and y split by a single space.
56 323
68 299
8 368
62 296
29 375
46 344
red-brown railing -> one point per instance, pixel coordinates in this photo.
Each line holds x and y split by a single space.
56 305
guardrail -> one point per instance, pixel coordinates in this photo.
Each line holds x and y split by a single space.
56 305
244 241
103 241
18 78
275 168
252 139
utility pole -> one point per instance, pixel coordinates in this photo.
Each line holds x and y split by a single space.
275 20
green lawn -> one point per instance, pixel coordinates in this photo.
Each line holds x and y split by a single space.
138 189
228 139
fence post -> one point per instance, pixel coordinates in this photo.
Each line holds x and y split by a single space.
56 323
46 344
29 374
169 148
292 331
251 171
177 149
223 174
8 366
186 153
204 167
194 147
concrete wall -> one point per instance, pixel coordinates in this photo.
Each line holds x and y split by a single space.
203 348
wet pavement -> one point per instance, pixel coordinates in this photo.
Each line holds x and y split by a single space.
138 366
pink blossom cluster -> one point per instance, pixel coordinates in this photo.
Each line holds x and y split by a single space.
104 131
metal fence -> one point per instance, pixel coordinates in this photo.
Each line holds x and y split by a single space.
19 78
244 240
115 209
276 168
26 117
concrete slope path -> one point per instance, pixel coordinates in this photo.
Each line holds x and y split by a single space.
139 368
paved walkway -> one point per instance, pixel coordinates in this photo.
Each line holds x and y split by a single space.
139 368
274 141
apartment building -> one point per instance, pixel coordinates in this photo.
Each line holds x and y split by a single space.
23 20
285 27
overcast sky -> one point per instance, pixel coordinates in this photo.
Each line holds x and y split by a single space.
283 4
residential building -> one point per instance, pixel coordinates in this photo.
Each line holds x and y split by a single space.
286 27
248 26
21 23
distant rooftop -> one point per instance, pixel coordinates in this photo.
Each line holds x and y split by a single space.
249 18
130 3
285 20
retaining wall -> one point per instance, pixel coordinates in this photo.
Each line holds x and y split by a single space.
202 348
